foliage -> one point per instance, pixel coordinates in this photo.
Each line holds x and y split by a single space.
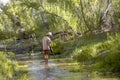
52 15
9 69
57 47
109 59
105 54
85 17
82 56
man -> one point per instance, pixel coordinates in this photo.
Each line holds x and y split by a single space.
46 47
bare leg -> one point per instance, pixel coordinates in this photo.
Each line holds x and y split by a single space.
46 59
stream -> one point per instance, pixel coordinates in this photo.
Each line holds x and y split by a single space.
58 69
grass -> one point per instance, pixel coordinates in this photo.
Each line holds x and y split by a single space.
90 51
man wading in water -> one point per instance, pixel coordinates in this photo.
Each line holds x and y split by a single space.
46 47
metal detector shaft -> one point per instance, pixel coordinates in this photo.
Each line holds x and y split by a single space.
51 50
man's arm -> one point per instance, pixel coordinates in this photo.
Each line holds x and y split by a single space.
49 44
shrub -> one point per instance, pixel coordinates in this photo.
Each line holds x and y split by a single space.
105 54
82 55
111 61
57 47
109 54
8 68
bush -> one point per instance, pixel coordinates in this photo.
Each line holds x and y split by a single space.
106 55
109 54
111 61
57 47
82 55
8 68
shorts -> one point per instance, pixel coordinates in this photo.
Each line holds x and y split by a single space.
46 51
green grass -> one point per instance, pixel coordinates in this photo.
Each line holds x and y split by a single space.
101 51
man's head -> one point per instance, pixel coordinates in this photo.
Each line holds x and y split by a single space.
49 34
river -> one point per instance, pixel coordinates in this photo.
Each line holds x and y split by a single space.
58 69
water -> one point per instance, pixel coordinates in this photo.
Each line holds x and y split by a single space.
57 70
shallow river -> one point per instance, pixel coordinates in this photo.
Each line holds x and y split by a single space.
57 70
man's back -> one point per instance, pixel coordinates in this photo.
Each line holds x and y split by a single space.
45 42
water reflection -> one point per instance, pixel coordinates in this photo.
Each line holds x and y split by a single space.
46 66
47 69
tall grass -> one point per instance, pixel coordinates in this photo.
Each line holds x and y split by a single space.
102 49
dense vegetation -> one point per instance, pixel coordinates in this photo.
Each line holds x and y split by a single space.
85 30
9 68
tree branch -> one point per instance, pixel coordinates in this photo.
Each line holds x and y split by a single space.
83 15
107 9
